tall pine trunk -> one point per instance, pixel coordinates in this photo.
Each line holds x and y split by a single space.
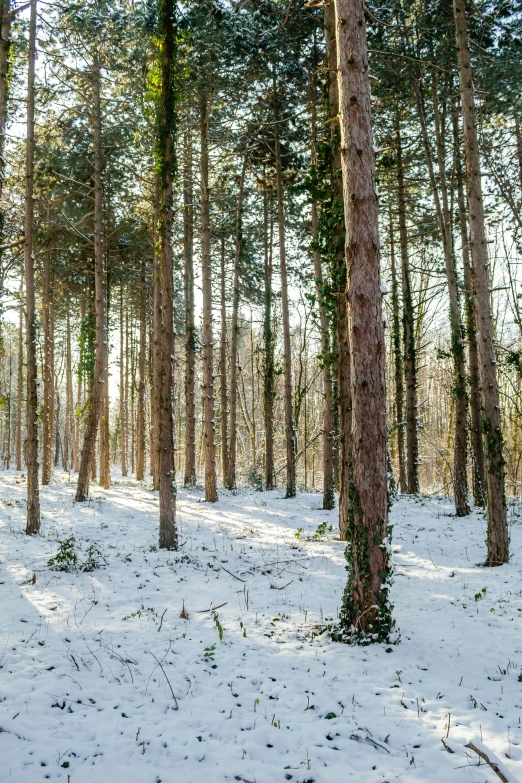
408 323
290 431
68 441
477 444
223 390
234 337
142 361
498 534
33 495
190 326
209 424
88 456
398 365
48 367
156 345
268 339
366 613
168 534
123 416
20 383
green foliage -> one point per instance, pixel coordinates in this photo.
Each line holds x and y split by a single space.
67 559
218 625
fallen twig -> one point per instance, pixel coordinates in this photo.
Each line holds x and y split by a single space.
231 574
489 757
211 608
165 675
161 621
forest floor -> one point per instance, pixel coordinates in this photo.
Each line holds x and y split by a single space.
91 662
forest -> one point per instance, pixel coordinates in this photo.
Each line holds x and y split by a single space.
260 390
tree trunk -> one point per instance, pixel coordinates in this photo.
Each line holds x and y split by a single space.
443 213
408 323
398 367
20 374
328 428
231 475
477 444
140 434
48 367
68 442
223 370
498 535
168 534
105 473
338 277
366 613
290 432
190 326
33 496
209 424
156 346
100 361
123 432
268 337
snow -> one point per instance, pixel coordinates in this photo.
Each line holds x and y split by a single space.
83 699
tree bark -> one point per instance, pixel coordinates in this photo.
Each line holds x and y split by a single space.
140 426
328 427
230 482
48 367
477 445
156 346
290 431
168 537
443 213
209 424
20 374
33 496
123 432
498 534
104 445
268 337
190 326
223 369
100 361
338 277
408 323
68 441
366 613
398 365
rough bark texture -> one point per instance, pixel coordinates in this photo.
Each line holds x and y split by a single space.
33 496
123 429
410 352
498 535
443 213
398 366
20 383
100 361
48 367
290 433
68 441
366 611
209 424
168 534
156 345
230 482
477 444
140 423
223 369
338 275
268 339
190 326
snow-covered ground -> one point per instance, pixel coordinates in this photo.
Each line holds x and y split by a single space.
91 662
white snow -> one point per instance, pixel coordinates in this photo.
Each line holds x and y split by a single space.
83 699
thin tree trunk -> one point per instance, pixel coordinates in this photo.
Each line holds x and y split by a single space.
68 444
366 613
123 417
268 362
190 326
48 367
105 473
223 371
20 374
338 275
100 362
33 495
57 440
168 534
209 424
328 427
140 435
290 432
477 444
498 534
231 475
398 367
156 346
442 210
408 322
